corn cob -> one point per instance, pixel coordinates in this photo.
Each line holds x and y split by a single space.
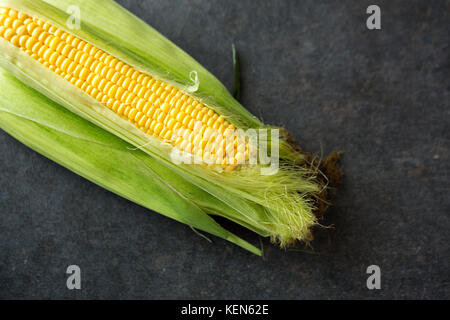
153 106
141 92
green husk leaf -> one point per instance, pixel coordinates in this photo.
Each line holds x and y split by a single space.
81 147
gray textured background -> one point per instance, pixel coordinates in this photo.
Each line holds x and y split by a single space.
312 66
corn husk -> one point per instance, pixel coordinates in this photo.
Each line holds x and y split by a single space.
81 146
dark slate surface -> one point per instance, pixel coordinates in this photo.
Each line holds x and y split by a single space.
312 66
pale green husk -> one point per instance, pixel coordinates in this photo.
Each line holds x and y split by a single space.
278 206
80 146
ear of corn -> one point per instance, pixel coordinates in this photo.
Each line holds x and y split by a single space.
129 80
